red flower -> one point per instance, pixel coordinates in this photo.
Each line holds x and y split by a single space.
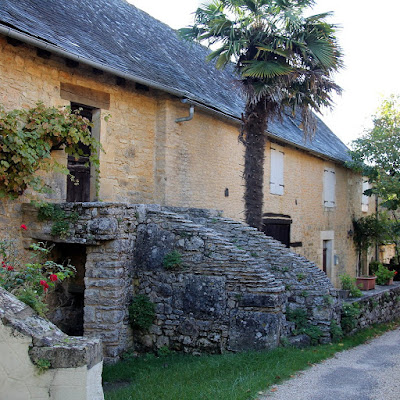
44 284
53 277
395 272
23 226
10 268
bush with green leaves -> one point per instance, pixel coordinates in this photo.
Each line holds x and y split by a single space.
27 137
302 324
349 283
336 332
31 282
141 312
384 274
172 260
350 313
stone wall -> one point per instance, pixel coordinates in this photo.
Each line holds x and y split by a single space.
377 306
306 286
218 299
108 232
25 339
230 292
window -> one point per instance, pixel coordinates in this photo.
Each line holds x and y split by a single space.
329 187
276 180
365 198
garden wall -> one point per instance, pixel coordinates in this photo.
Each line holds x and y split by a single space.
376 306
75 363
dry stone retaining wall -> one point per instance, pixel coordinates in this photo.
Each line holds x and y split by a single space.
218 299
377 306
306 286
230 293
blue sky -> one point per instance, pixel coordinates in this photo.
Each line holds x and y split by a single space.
368 36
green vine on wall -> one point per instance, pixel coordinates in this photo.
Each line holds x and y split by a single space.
27 137
60 218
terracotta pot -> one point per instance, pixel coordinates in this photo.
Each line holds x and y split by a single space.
366 282
389 282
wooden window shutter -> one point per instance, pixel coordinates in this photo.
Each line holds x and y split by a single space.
276 179
329 187
364 198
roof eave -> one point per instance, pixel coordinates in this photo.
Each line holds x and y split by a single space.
44 45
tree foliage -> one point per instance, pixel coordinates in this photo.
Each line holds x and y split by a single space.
377 154
28 136
283 60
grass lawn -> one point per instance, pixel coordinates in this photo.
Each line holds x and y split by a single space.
230 376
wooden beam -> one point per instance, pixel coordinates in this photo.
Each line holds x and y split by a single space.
84 95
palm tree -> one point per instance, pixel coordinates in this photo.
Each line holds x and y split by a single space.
283 60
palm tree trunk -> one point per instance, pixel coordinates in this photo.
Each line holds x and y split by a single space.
254 127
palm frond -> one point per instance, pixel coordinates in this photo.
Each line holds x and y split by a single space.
265 69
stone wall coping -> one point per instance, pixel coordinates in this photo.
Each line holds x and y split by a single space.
373 293
48 341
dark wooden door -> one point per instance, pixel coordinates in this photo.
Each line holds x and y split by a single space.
277 226
279 232
78 189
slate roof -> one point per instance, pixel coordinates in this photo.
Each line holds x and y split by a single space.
116 35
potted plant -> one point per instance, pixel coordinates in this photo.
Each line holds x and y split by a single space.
384 276
348 287
366 282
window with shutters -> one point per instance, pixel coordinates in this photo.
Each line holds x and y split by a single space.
329 187
276 180
365 198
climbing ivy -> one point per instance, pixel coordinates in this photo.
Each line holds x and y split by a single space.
27 137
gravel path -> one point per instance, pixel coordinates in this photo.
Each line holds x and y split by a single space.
367 372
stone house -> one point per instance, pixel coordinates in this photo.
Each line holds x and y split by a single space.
171 139
115 59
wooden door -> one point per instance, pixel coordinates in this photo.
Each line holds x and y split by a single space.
78 189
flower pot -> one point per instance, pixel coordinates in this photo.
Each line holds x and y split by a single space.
343 294
366 282
389 282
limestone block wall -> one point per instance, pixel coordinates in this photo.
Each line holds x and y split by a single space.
25 338
149 158
302 200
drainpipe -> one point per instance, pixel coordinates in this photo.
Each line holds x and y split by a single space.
191 113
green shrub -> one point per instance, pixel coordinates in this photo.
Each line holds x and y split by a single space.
28 136
141 312
383 275
172 260
302 325
373 267
30 282
336 332
350 313
349 283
